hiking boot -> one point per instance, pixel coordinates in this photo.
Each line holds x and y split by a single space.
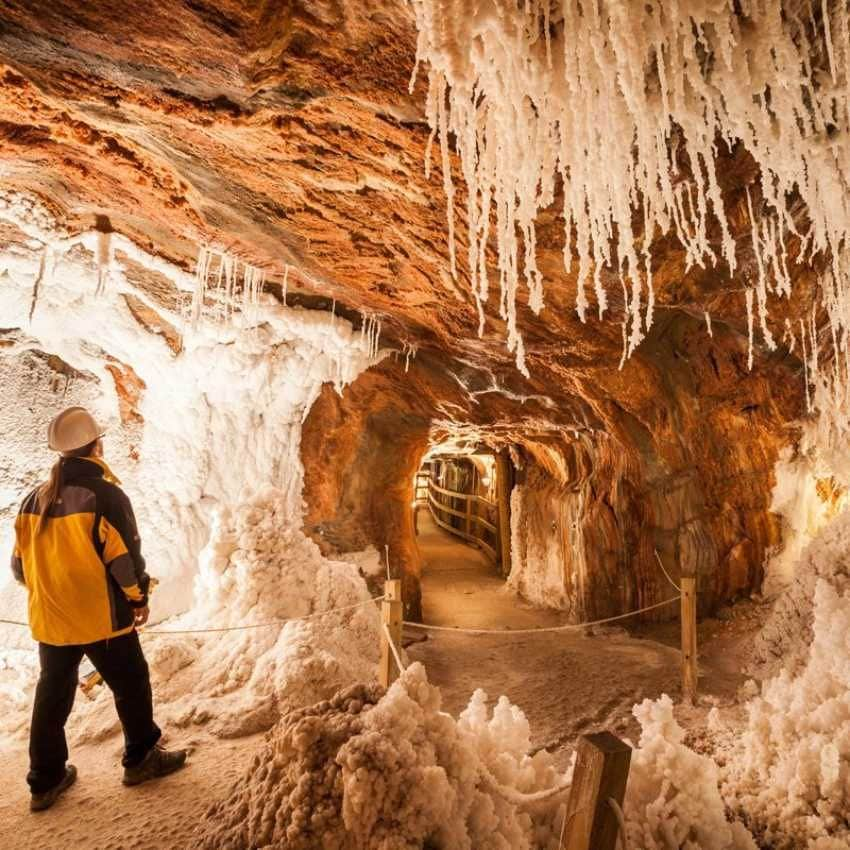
158 762
40 802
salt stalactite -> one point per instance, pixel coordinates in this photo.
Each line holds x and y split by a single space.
708 324
749 295
609 98
285 283
805 365
409 350
105 256
370 335
202 270
217 275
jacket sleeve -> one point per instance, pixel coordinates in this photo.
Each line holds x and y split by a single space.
122 548
17 560
17 565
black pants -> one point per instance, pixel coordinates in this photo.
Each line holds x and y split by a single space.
122 664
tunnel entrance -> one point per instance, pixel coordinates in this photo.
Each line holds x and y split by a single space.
462 521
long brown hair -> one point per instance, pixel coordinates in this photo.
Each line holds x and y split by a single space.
48 494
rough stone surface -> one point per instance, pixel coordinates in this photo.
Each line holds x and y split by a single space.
284 131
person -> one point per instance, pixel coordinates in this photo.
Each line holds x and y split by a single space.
77 551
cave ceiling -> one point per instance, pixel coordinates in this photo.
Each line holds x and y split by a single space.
284 131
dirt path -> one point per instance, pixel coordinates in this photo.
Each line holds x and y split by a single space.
460 587
99 813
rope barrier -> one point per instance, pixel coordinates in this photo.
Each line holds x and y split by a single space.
393 648
241 628
666 574
621 820
519 798
565 628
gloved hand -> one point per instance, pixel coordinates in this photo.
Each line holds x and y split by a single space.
141 615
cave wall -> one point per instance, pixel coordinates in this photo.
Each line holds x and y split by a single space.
361 450
686 466
678 456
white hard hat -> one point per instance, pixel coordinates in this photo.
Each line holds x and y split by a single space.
72 429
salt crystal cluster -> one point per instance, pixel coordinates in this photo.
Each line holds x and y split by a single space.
260 569
673 800
363 771
789 773
786 640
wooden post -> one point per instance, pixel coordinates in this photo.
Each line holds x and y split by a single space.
689 638
468 528
601 772
503 498
391 615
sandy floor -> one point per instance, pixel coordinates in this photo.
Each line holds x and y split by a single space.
567 683
460 587
99 813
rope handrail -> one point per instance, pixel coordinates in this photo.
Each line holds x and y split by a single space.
520 798
565 628
393 648
271 623
666 574
456 494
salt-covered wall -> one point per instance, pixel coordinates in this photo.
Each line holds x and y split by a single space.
214 421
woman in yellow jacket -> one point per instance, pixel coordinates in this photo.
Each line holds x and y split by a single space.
77 551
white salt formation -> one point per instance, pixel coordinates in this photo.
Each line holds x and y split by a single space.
364 771
672 798
610 100
787 638
788 775
259 568
216 445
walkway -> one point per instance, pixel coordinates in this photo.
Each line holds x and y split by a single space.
460 587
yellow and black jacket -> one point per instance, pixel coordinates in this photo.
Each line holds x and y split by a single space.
83 570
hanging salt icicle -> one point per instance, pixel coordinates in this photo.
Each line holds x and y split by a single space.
610 99
749 296
788 338
409 350
105 257
202 268
708 324
217 277
285 283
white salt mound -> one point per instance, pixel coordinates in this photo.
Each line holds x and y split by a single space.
787 637
673 801
365 770
789 773
260 568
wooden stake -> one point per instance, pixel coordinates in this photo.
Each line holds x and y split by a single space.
689 638
469 516
391 614
503 498
601 772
